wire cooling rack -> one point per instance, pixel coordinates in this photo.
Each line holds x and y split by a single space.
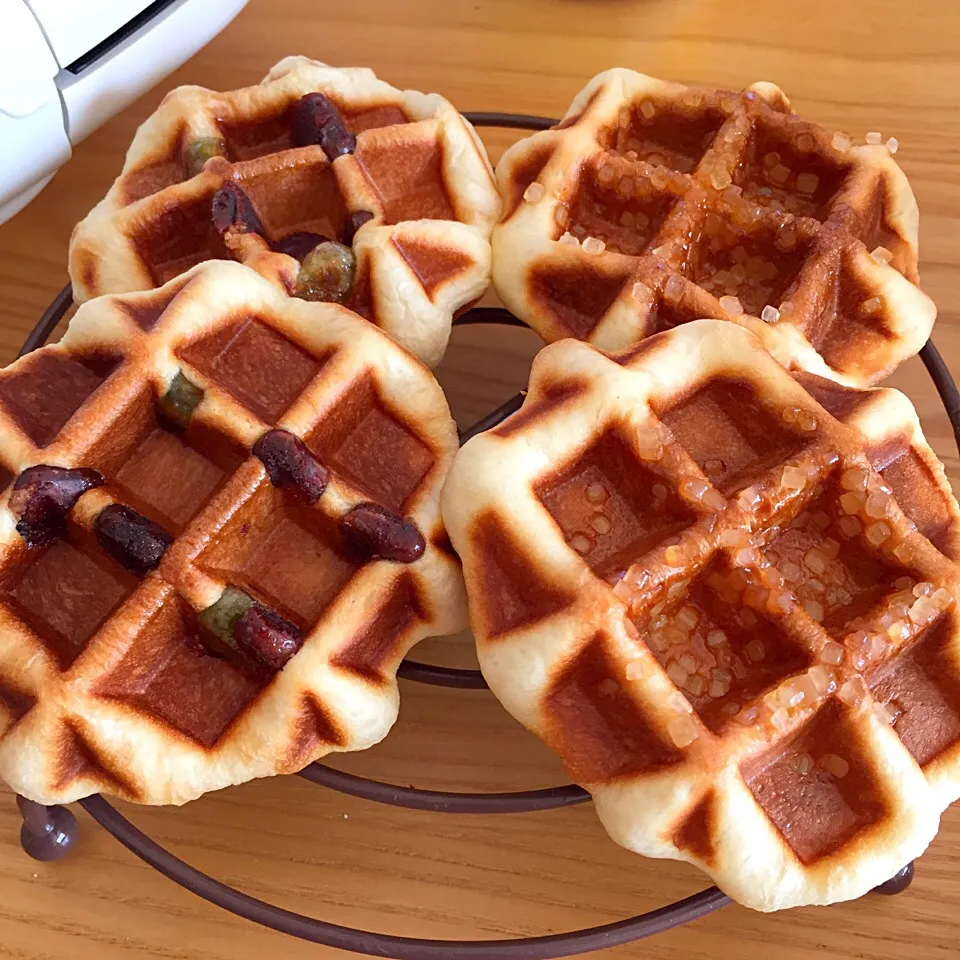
48 833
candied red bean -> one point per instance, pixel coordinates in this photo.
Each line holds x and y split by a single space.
267 637
316 119
42 498
298 245
290 464
372 532
132 539
353 223
194 643
232 211
255 638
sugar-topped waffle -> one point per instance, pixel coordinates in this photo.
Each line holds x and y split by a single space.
726 609
219 535
652 204
397 180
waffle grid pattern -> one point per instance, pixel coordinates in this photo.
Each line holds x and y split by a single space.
102 686
652 204
770 688
419 169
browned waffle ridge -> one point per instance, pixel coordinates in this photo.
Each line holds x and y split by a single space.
103 685
418 169
652 204
729 612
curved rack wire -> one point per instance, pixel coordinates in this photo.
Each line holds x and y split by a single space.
437 801
411 948
386 945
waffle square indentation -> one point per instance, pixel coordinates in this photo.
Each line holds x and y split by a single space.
286 556
816 812
48 388
839 588
257 365
730 433
611 507
64 593
596 726
730 656
168 675
368 446
791 174
923 683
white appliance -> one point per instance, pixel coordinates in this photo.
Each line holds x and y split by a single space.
67 66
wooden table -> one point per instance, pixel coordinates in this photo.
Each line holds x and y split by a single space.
886 66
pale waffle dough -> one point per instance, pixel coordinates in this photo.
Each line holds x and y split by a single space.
711 204
100 690
664 564
419 168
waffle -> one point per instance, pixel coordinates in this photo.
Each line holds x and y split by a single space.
409 186
652 204
188 614
691 581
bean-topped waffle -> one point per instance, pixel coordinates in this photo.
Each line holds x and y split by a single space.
220 534
726 598
328 181
652 204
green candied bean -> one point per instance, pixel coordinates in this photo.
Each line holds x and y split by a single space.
327 273
221 618
197 152
176 406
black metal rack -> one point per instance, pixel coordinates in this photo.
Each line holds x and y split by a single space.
48 833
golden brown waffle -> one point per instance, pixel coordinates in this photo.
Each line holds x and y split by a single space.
692 582
107 680
652 204
417 167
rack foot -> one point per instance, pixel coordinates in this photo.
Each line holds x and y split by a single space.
897 883
48 833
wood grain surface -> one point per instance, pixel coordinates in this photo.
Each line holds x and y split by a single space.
885 65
